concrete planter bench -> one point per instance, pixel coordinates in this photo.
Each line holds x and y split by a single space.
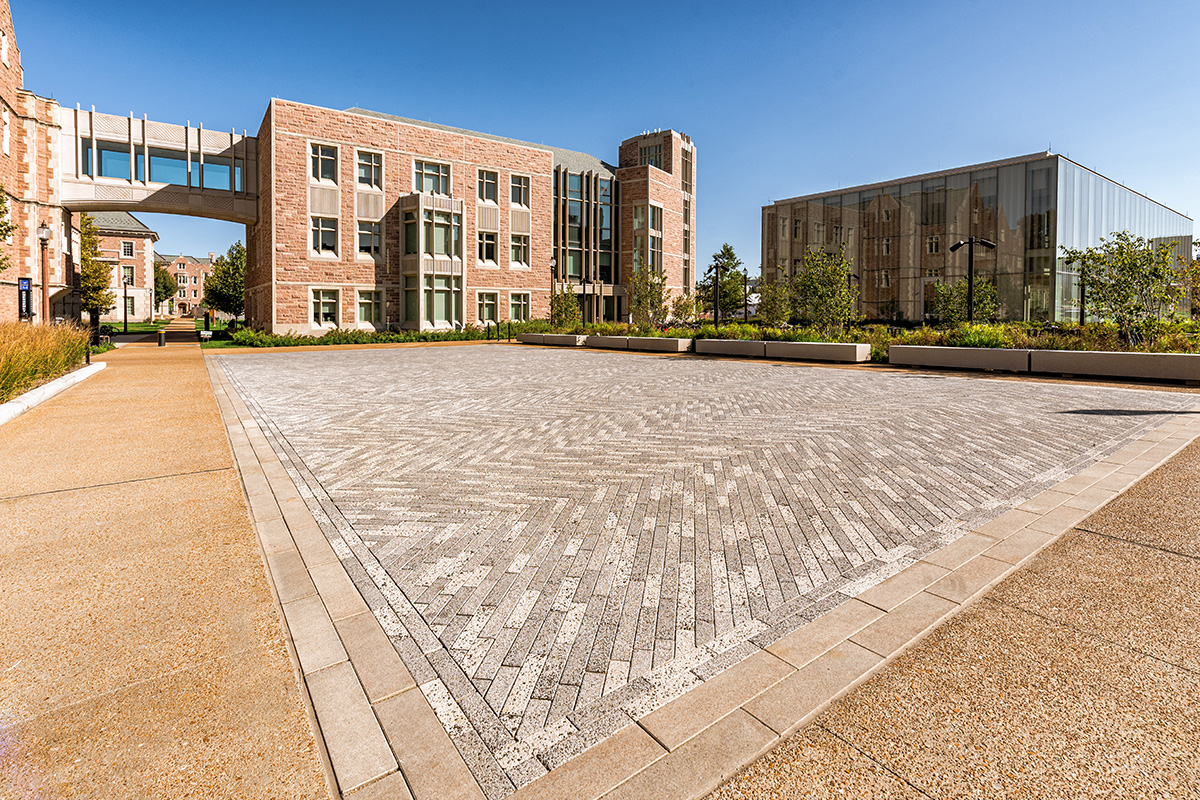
530 338
819 351
609 342
563 339
731 347
985 358
1153 366
659 344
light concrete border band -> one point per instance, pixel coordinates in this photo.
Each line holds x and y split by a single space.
22 403
384 740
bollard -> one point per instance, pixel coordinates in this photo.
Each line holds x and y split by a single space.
162 337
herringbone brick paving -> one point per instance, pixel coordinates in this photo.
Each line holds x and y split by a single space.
559 542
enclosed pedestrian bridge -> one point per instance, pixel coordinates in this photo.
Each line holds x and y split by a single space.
112 163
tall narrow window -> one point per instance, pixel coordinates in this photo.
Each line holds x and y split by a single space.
487 307
370 170
412 235
686 171
324 235
487 186
519 307
370 306
324 163
127 275
487 247
370 238
520 191
520 250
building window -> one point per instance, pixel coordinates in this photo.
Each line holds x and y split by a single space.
687 276
412 234
126 249
519 307
443 234
932 245
520 191
324 235
487 247
324 306
639 218
129 306
783 227
656 261
370 238
819 232
656 218
520 249
651 155
887 246
324 163
797 229
181 279
370 306
887 215
127 275
574 186
195 279
195 293
431 177
686 176
885 278
443 300
370 169
487 307
487 186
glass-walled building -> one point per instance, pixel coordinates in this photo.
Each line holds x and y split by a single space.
898 234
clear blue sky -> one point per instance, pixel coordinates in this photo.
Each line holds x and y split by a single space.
781 98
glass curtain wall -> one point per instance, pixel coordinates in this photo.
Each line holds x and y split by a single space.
585 220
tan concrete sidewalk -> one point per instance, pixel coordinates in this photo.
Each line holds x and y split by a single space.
1078 676
141 652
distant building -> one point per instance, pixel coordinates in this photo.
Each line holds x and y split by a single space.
899 233
128 246
190 273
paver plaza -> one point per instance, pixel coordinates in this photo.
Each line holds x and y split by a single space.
559 542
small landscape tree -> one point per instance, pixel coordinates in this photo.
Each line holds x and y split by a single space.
225 287
1129 281
165 285
683 308
564 310
774 302
647 295
823 292
95 292
726 267
950 301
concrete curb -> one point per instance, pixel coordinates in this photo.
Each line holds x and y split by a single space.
19 405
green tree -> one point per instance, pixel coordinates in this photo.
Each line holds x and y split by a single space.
950 301
95 276
774 302
225 287
647 295
564 310
824 293
7 226
683 308
1191 278
726 267
165 285
1129 281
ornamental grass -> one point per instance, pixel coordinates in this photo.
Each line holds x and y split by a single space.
31 355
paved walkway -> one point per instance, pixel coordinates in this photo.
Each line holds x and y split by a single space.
1077 676
141 652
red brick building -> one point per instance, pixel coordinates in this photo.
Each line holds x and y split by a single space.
190 273
373 221
128 245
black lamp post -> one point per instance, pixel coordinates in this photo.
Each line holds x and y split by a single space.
126 284
970 243
716 271
745 294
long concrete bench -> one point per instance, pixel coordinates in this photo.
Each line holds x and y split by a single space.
1153 366
608 342
985 358
530 338
819 351
563 339
731 347
660 344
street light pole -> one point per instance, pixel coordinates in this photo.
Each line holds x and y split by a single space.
970 243
126 309
745 294
43 234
